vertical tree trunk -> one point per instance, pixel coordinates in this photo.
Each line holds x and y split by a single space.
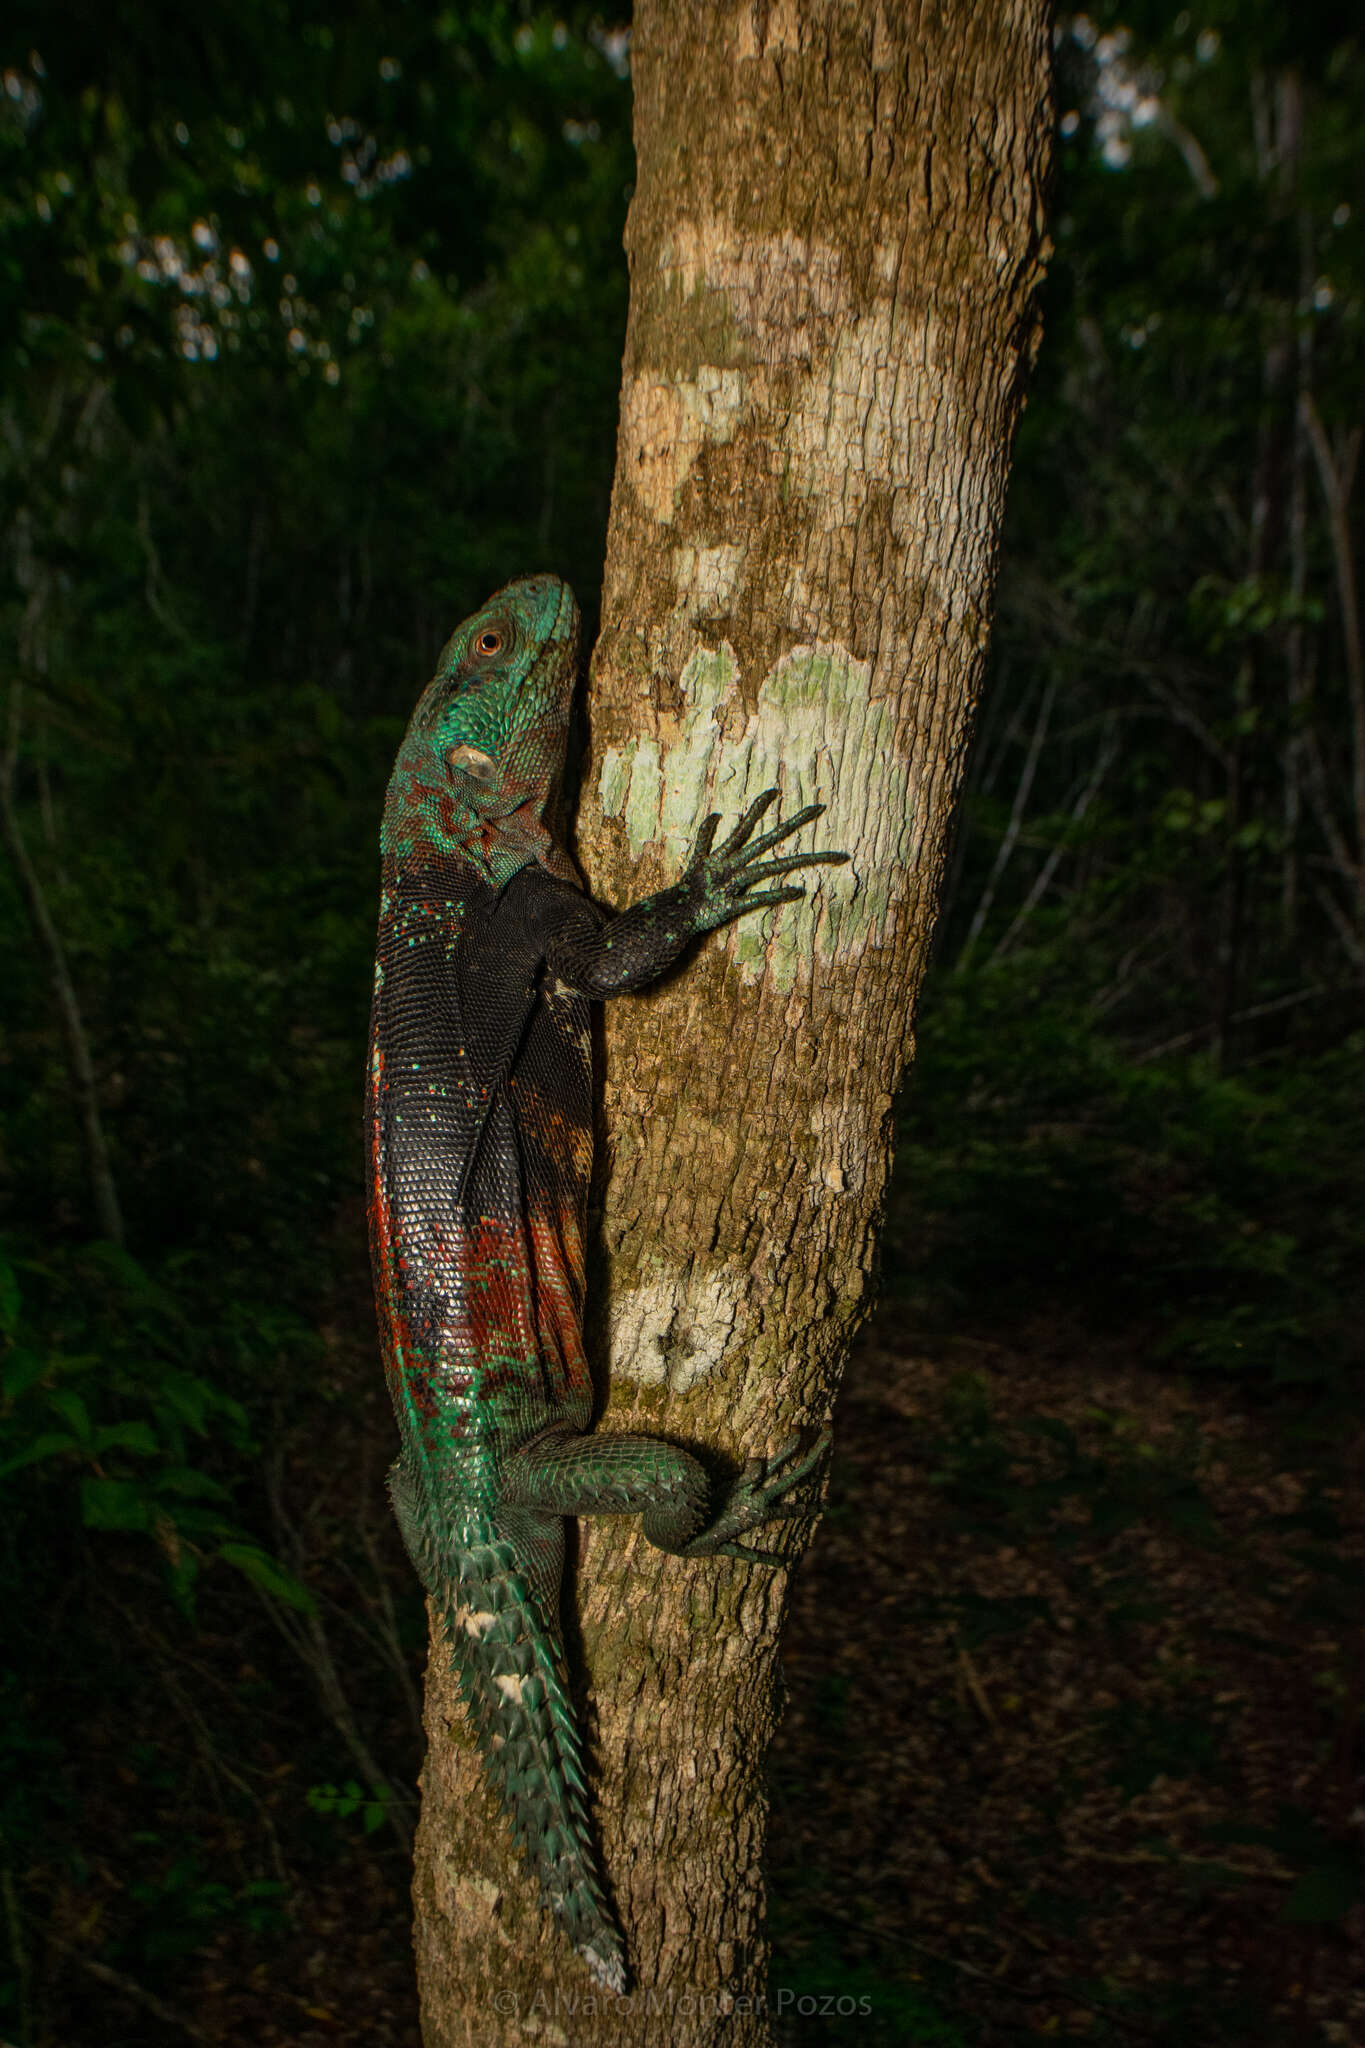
835 245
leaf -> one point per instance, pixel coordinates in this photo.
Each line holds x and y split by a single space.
51 1445
140 1289
22 1368
189 1398
190 1484
194 1521
73 1411
182 1575
345 1800
264 1571
195 1400
125 1436
115 1504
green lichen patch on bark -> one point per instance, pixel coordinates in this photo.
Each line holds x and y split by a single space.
818 735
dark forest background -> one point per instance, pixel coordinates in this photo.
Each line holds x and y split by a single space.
310 331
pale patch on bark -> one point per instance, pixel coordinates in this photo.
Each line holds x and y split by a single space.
670 424
675 1329
771 286
781 30
817 735
869 402
466 1898
840 1163
707 577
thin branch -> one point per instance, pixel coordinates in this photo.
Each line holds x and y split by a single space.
1043 880
1196 163
152 582
1296 640
1336 475
210 1755
104 1191
1043 606
1113 993
127 1987
977 1690
388 1632
310 1645
306 1635
1300 995
1331 828
1007 844
1342 926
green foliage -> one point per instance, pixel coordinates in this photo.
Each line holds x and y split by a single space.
117 1436
179 1905
310 336
344 1801
1222 1214
1171 590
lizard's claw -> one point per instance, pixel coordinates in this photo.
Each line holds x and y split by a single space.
758 1496
742 830
722 879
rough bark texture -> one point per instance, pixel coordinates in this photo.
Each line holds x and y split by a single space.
835 248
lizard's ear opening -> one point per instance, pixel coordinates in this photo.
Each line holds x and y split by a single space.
473 763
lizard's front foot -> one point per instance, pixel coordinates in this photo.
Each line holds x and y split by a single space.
716 885
759 1495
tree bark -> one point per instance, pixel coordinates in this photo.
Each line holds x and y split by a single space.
835 244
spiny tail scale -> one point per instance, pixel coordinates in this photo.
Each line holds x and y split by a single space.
509 1665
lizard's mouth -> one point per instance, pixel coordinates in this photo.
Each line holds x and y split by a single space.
473 762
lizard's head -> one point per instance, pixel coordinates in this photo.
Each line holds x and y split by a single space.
479 771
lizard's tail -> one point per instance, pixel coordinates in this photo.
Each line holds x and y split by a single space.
509 1666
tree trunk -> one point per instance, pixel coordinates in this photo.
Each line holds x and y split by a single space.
835 243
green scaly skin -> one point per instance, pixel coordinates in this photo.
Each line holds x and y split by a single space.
479 1116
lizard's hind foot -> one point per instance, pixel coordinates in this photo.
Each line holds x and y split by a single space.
760 1495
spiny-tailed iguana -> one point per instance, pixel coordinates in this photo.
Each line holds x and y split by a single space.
480 1130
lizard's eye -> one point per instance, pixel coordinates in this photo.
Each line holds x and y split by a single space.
489 641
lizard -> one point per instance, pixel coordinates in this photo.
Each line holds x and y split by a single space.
479 1116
